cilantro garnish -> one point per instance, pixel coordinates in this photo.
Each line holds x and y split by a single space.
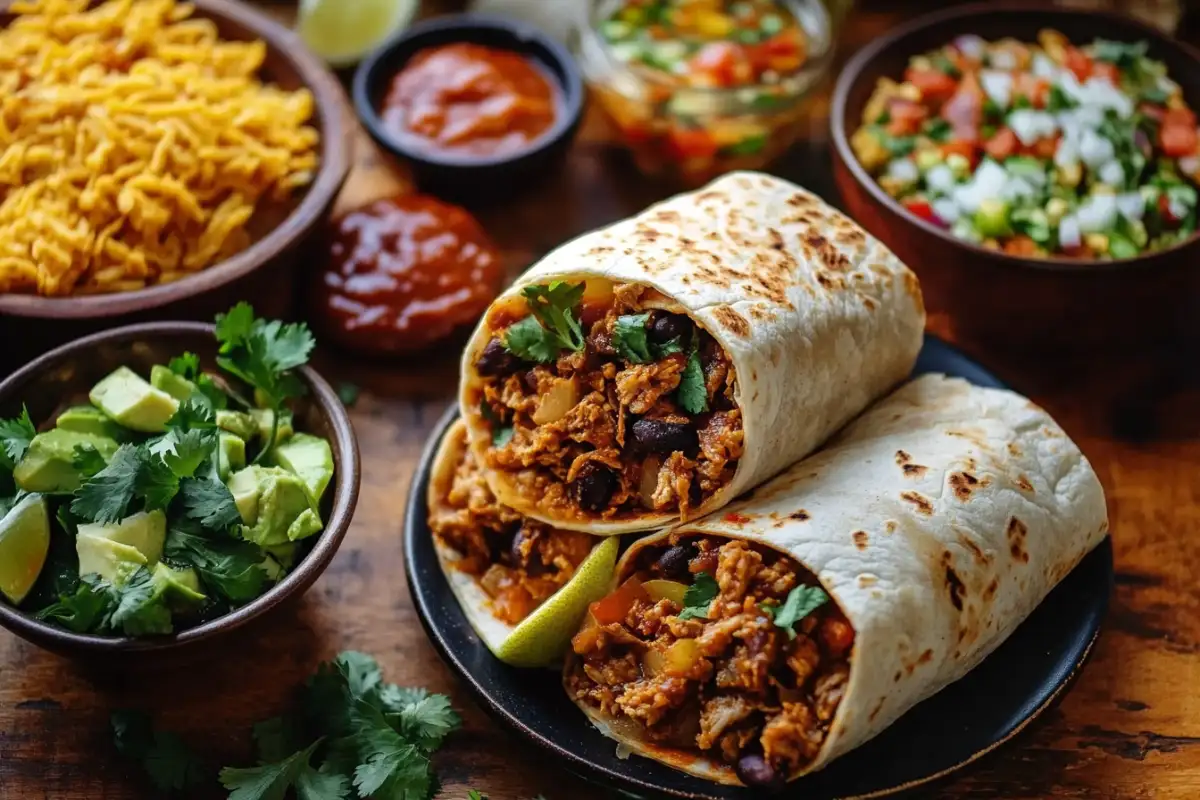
692 393
171 766
87 460
800 602
15 436
85 608
501 434
229 567
553 325
133 472
1126 55
699 597
629 338
208 502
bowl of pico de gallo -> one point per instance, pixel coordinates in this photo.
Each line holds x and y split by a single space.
1038 167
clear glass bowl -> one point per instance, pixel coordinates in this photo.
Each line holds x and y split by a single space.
692 134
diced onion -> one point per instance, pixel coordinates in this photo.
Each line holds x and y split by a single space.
1002 59
971 46
903 170
987 182
1131 205
1190 164
998 86
1018 189
1097 213
1068 232
1030 125
1043 66
1112 173
940 179
560 398
946 210
1066 154
1095 150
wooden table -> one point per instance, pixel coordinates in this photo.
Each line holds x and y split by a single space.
1129 728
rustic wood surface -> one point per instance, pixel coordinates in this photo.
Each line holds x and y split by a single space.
1128 729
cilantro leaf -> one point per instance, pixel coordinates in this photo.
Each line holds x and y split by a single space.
1124 54
390 767
184 450
229 567
209 502
84 610
312 784
267 781
800 602
171 766
362 674
501 434
140 610
15 436
475 794
699 597
692 393
194 413
185 366
275 738
87 460
527 339
428 721
132 472
553 325
394 699
629 338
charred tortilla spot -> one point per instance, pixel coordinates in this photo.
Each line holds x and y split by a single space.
964 484
1013 450
990 590
866 581
731 321
925 657
869 302
1024 484
910 469
711 194
600 250
954 585
875 711
976 552
896 678
860 539
1016 532
923 504
799 516
761 313
776 237
889 526
737 519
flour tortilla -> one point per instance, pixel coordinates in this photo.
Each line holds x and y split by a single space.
937 522
818 317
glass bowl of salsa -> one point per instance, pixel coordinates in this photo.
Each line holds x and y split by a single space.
702 87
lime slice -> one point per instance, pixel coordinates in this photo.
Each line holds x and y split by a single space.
542 637
343 31
24 543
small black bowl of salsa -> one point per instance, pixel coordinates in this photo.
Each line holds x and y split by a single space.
479 106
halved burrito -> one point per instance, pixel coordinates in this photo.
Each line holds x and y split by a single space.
763 641
654 370
523 585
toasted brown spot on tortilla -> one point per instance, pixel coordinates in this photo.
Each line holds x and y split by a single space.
896 678
889 526
800 515
1024 484
964 484
709 195
866 581
910 469
860 540
925 657
1013 450
761 313
1049 432
731 321
875 711
776 238
1016 533
600 250
954 586
974 436
990 590
924 506
869 302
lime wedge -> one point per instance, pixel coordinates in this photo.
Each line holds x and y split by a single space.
24 543
542 637
343 31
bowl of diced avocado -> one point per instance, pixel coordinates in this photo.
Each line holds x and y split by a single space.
164 483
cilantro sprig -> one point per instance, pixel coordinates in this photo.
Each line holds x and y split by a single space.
692 393
800 602
553 325
699 596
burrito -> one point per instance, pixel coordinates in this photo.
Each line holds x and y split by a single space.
523 585
654 370
762 642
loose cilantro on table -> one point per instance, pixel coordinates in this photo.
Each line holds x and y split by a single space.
692 393
553 325
800 602
699 597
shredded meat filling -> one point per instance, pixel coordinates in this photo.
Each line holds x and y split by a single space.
737 683
610 405
520 563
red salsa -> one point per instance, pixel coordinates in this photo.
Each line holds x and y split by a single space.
469 99
405 272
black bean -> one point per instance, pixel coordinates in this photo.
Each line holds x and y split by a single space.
754 771
594 486
669 326
674 562
660 436
529 379
495 360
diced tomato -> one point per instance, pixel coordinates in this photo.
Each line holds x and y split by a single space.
687 143
1078 62
614 607
1035 89
962 147
1110 72
1021 246
906 117
837 635
922 209
1045 147
935 87
1002 145
1179 116
722 61
1164 210
964 111
1152 111
1177 140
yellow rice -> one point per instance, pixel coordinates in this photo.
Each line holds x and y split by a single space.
135 145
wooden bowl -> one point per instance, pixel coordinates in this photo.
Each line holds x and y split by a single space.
998 301
44 384
277 229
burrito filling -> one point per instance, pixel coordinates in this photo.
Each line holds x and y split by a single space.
518 562
718 646
606 399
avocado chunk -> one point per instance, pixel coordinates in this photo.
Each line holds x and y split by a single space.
130 400
112 561
49 464
275 504
233 454
89 419
177 386
264 418
992 218
145 532
179 588
237 423
311 458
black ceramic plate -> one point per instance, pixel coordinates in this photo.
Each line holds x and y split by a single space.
963 722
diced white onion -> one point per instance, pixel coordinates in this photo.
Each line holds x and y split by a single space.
1067 154
1097 213
971 46
1178 209
1068 232
946 209
1131 205
1094 149
987 182
1096 93
1018 189
1002 59
1112 173
998 86
940 179
904 170
1043 66
1030 125
1190 164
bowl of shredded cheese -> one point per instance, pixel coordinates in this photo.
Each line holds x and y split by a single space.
155 150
